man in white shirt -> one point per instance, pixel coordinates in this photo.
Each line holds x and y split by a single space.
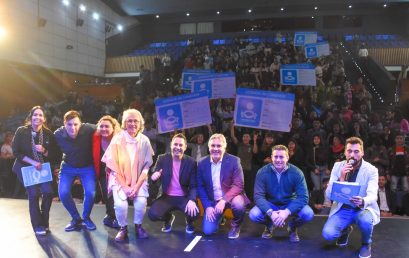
220 186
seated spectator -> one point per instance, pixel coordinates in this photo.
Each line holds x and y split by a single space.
386 198
319 202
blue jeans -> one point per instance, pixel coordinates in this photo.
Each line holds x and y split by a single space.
88 181
338 222
305 215
238 207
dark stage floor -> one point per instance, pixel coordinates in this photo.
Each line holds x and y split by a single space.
391 238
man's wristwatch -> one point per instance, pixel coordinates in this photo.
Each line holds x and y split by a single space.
269 212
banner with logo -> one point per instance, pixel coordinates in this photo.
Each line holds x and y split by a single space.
217 85
187 76
181 112
305 37
264 109
298 74
316 50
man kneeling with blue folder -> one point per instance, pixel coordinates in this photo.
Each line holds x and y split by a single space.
362 209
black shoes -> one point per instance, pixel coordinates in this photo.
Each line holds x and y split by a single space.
343 239
87 222
75 224
110 222
167 225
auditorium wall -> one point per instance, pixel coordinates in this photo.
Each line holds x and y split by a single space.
59 43
24 86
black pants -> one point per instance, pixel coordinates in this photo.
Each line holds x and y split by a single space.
39 215
109 201
162 207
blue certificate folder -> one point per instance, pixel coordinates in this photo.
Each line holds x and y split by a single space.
32 176
343 191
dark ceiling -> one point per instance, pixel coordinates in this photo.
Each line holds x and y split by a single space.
204 8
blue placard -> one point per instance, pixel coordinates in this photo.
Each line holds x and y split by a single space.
217 85
317 49
342 192
32 176
298 74
181 112
187 75
264 109
305 37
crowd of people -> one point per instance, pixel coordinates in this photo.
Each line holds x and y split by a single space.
103 157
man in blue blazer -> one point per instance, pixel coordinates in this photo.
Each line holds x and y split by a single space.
363 209
220 186
178 176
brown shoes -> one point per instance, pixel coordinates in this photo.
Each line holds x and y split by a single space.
122 235
140 232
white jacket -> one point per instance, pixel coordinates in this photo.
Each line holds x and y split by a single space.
367 178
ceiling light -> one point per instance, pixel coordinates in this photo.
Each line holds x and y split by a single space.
316 8
95 16
120 27
66 2
312 17
218 12
385 5
350 6
282 9
249 10
187 14
83 8
157 16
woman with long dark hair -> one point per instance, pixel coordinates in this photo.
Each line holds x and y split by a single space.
33 145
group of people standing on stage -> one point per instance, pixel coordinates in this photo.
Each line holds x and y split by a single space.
119 157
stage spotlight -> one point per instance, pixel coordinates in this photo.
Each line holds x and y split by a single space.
95 16
316 8
3 32
119 27
350 6
83 8
282 9
249 10
187 14
218 12
157 16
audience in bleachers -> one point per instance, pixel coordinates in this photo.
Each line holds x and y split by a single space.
324 116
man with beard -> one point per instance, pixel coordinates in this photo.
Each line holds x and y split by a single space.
178 177
363 209
221 186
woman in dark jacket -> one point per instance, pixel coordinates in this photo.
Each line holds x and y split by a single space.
317 162
33 145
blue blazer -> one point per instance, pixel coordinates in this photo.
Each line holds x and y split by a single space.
231 177
187 176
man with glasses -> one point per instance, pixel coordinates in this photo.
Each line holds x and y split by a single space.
220 186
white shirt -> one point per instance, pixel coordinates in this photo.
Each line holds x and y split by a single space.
217 187
383 203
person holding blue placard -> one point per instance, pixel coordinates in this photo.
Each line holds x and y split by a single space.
34 144
363 210
75 141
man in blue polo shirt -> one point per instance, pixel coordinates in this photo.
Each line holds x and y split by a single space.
280 192
75 142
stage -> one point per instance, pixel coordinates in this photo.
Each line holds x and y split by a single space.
391 238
